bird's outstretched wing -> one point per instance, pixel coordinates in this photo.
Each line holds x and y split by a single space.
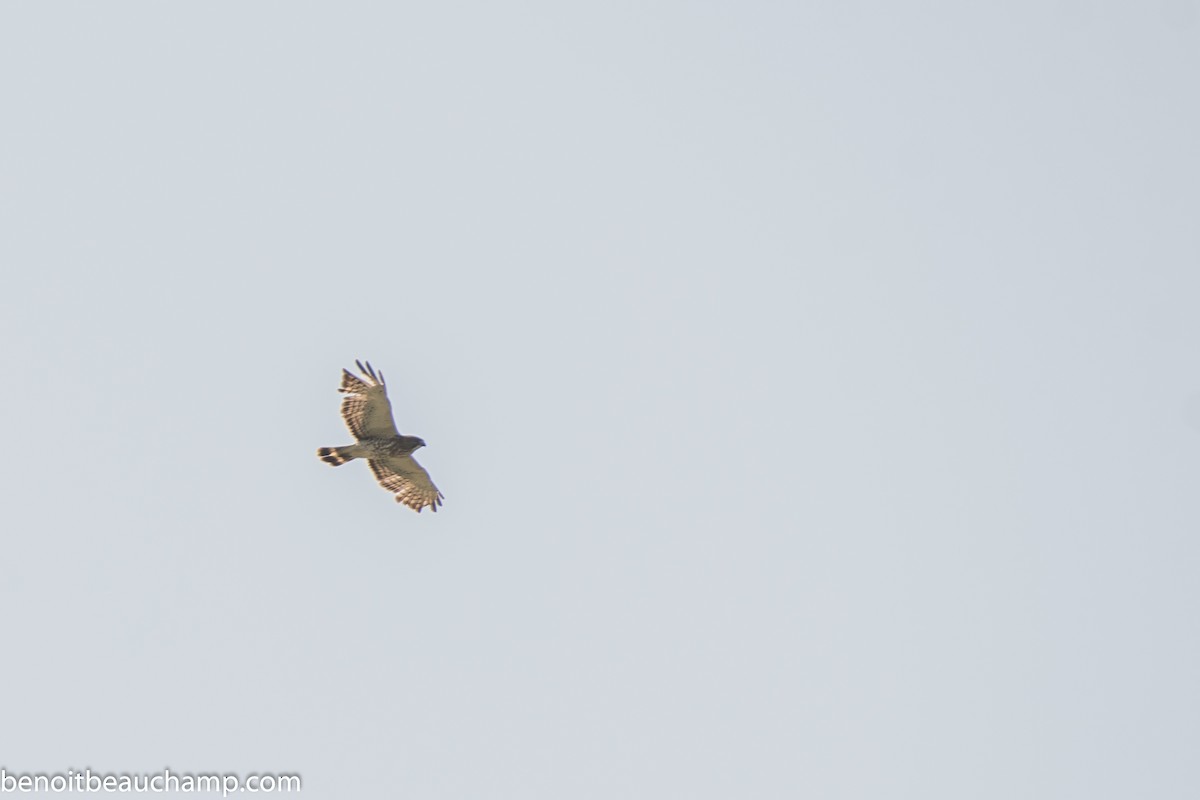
365 406
408 480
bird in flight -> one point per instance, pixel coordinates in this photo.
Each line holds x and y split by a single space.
368 414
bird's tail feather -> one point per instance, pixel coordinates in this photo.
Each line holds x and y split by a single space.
335 456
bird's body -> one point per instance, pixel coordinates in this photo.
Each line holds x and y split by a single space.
397 447
367 412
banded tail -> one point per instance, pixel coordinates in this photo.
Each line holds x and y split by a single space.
335 456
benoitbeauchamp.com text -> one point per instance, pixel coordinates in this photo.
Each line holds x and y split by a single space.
83 781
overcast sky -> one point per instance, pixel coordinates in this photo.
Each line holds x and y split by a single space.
813 388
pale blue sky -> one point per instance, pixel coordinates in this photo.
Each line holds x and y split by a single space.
813 388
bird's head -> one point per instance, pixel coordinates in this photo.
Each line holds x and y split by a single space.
420 442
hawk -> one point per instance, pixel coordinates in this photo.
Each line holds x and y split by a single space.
368 414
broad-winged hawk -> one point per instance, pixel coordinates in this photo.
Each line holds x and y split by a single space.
368 414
